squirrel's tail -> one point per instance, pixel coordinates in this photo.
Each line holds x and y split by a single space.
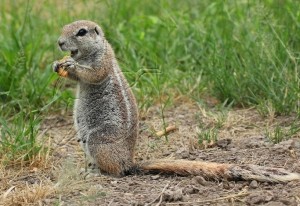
212 170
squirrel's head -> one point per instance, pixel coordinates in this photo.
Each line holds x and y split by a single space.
83 39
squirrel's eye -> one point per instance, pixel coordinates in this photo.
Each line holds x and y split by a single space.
81 32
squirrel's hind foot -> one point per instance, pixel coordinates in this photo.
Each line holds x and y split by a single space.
90 172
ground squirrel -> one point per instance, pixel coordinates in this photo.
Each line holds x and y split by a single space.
106 115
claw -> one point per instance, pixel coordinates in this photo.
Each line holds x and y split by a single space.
55 66
68 64
63 65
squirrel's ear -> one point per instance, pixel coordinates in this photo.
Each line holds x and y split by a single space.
98 31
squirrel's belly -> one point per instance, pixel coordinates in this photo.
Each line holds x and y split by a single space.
92 113
101 117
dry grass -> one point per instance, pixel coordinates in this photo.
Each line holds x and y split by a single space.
27 195
24 186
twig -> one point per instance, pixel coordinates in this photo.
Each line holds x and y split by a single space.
111 202
7 192
160 200
166 131
213 200
159 196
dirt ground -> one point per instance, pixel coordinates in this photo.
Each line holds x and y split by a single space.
60 178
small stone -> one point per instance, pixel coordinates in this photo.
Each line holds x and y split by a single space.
167 153
192 158
253 184
223 143
155 177
171 196
253 199
185 155
200 180
182 153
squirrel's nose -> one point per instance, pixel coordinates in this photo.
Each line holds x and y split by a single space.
60 42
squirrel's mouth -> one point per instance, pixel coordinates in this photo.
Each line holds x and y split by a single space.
74 52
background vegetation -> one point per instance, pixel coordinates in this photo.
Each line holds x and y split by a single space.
241 53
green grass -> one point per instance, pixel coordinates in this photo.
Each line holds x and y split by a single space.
280 133
244 53
209 136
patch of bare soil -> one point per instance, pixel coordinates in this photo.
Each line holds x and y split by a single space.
241 140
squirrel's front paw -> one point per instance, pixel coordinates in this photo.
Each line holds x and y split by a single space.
62 66
59 69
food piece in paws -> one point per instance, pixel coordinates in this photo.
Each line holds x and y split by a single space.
60 68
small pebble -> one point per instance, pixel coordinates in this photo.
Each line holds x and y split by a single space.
200 180
155 177
253 184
